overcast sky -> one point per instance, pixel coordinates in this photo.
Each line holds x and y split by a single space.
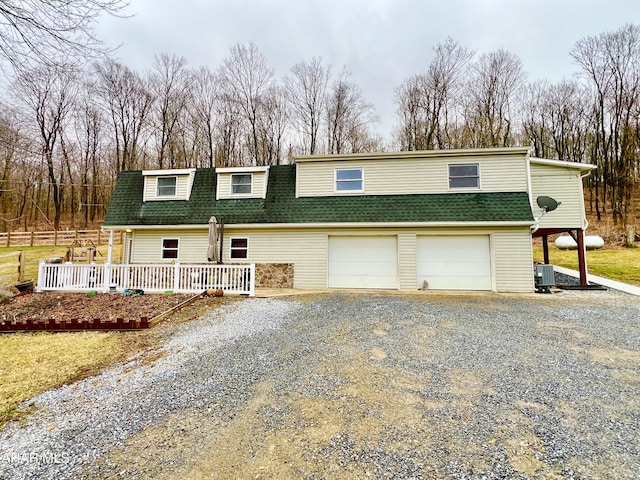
382 42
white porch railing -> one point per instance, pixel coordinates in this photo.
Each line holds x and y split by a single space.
232 279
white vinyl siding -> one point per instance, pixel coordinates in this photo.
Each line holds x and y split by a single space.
504 173
308 250
147 246
513 259
454 262
182 190
224 187
563 185
407 261
363 262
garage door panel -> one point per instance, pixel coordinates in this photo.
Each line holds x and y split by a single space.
454 262
363 262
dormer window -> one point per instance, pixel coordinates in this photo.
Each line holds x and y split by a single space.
241 184
349 180
464 176
166 186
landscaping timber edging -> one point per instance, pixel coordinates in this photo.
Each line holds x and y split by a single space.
52 325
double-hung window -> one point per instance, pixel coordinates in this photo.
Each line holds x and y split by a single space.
241 184
349 180
170 248
465 175
239 248
166 186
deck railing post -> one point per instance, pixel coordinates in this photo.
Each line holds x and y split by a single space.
176 277
107 277
252 280
39 284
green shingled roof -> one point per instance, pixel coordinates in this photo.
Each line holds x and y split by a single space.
281 206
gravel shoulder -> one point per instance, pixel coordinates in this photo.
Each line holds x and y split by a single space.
357 386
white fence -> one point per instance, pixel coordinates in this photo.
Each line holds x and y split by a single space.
231 279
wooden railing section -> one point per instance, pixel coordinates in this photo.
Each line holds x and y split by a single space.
178 278
57 238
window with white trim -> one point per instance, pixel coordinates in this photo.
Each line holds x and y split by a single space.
241 183
239 248
166 186
170 248
349 180
465 175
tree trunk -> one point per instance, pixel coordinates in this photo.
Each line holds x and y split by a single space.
631 236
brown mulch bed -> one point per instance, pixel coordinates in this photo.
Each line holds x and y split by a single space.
68 306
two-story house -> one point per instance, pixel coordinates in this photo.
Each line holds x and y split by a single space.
447 219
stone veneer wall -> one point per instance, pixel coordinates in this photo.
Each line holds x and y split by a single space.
274 275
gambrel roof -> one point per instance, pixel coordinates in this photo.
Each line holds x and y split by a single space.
282 207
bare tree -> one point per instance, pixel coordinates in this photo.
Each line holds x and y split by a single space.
205 100
48 93
127 102
535 118
52 32
229 133
273 123
492 88
348 116
424 102
89 128
247 78
611 64
170 83
306 89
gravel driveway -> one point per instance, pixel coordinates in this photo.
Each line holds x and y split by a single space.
357 386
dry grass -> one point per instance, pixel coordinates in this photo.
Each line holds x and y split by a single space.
621 264
33 255
33 363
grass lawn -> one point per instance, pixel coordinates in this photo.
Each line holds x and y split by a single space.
33 363
33 255
621 264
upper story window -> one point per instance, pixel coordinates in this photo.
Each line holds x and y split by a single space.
241 184
349 180
166 186
464 176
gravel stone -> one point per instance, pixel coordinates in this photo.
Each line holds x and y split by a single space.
359 386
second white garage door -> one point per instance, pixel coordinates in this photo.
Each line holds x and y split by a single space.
363 262
454 262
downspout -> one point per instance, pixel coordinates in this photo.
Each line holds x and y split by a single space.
583 176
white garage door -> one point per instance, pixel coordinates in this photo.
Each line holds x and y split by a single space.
363 262
454 262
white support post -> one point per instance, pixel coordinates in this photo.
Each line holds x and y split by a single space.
110 251
40 276
252 280
107 276
176 276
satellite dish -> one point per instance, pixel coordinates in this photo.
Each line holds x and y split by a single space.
547 204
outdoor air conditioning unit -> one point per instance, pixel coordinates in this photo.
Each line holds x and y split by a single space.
544 278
